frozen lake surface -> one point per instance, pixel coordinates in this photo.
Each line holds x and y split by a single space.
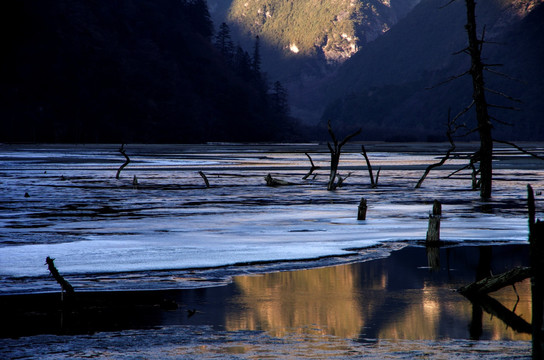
171 231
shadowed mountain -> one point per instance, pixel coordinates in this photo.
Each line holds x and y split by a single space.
388 88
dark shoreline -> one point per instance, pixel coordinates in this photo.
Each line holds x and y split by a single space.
406 270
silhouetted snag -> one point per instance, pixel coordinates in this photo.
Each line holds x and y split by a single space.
335 151
270 181
312 169
373 183
433 232
135 182
361 212
64 285
205 178
122 150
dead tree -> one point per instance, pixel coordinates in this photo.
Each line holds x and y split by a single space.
123 151
64 285
335 151
373 182
478 95
312 169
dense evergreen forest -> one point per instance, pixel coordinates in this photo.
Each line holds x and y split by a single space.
131 71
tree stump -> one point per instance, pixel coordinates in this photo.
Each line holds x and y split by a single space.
433 232
361 213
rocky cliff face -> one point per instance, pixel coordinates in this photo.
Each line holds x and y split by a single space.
330 29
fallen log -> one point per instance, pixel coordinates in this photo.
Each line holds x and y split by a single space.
270 181
496 282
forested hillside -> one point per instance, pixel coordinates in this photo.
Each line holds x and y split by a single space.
127 71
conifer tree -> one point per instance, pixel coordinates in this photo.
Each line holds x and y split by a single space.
256 63
223 42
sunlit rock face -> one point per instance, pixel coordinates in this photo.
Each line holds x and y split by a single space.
333 29
512 12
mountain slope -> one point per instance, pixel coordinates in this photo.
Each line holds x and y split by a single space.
383 88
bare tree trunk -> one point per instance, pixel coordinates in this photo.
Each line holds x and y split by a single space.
482 115
123 151
335 151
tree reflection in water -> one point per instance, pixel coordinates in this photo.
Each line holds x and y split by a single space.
394 298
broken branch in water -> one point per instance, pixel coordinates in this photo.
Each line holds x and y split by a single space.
205 178
449 133
64 285
373 183
122 150
312 169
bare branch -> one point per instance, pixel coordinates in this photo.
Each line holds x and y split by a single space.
451 78
504 107
349 137
519 148
312 169
448 4
501 121
462 112
504 75
503 95
448 153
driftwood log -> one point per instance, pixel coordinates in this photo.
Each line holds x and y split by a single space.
496 282
270 181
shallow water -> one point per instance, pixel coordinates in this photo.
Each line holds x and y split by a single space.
106 234
401 307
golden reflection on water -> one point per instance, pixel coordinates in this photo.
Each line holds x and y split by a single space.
318 301
345 301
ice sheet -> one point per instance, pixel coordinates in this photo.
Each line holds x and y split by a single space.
79 214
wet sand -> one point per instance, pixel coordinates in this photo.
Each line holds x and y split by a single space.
405 301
